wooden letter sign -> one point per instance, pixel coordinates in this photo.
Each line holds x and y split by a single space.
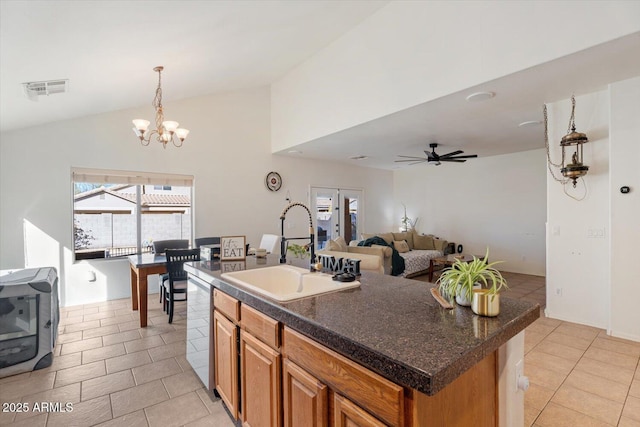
232 248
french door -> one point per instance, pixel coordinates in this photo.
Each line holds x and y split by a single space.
337 212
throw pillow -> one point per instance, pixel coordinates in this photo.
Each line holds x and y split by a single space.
408 236
423 242
401 246
388 237
332 246
342 243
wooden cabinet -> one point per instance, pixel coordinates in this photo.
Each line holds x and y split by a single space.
260 383
260 369
357 396
226 316
348 414
305 398
226 361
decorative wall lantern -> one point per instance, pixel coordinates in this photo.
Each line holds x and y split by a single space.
576 169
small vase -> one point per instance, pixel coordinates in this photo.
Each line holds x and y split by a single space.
485 303
462 300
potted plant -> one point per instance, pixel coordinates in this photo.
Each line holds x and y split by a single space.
298 250
476 281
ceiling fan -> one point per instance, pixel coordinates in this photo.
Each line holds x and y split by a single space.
434 158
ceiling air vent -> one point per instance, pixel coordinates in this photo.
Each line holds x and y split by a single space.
35 89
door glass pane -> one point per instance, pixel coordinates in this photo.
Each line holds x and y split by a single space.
351 219
324 209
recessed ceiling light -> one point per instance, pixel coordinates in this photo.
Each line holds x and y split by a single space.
530 123
480 96
359 157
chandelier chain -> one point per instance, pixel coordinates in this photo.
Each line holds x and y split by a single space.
157 104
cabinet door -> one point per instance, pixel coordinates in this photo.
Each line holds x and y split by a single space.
226 361
348 414
260 376
304 397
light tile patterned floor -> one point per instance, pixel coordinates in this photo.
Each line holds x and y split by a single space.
117 374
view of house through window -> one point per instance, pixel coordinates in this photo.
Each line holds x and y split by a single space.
112 219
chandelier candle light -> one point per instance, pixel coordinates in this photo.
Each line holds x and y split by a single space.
165 129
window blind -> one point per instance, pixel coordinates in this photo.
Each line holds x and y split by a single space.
109 176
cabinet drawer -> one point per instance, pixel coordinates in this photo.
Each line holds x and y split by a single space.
227 305
367 389
260 326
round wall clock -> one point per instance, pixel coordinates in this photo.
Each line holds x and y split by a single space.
273 181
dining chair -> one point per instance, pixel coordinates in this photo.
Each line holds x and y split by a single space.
207 241
269 242
159 247
202 241
177 276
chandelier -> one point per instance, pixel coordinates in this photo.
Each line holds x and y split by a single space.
165 129
576 169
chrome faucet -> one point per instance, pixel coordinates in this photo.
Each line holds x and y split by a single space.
283 239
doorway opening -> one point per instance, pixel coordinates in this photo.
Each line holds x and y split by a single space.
337 212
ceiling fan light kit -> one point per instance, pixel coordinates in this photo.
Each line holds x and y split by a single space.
436 159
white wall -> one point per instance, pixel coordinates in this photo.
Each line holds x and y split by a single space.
411 52
496 201
592 273
228 152
625 208
578 263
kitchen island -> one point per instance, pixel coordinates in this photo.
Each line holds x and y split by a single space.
448 365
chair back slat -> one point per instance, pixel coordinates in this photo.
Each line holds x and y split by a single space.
175 262
161 246
207 241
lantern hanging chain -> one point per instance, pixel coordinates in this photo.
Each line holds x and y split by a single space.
578 199
546 144
572 120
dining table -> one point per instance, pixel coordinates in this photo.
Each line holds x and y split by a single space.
142 265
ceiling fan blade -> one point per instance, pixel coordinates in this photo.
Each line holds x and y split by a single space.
411 162
453 153
411 159
452 160
468 156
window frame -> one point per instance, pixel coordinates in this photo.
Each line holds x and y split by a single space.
136 179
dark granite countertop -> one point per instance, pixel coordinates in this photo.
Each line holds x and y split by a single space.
390 325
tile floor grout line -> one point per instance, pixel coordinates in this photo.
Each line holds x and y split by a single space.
565 379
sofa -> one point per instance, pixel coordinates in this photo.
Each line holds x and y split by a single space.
417 251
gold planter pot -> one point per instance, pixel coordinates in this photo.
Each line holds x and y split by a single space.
484 303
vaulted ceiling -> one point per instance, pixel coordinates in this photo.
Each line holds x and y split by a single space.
107 50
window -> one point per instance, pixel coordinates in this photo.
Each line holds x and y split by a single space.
120 213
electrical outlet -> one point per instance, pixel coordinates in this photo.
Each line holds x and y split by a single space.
522 382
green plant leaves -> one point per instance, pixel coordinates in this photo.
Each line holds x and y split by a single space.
462 276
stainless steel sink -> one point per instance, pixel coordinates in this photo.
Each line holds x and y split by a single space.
286 282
